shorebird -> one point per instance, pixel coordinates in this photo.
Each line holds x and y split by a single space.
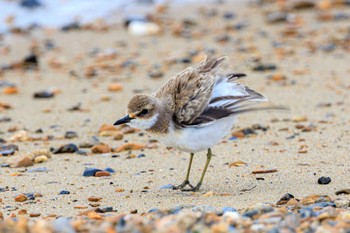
193 111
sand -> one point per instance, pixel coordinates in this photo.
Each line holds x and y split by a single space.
312 78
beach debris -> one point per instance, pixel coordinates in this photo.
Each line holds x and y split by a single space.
262 171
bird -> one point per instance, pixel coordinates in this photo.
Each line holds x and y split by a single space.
193 111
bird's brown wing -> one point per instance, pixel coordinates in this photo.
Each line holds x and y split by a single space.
188 93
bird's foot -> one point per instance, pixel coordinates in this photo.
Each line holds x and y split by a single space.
192 189
183 185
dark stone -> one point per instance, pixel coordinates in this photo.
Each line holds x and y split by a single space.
153 210
68 148
110 170
71 26
104 209
70 134
306 212
7 152
229 15
5 165
264 67
324 180
90 171
286 197
64 192
141 155
43 95
251 213
31 61
5 119
31 4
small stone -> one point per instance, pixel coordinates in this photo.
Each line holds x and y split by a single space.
94 199
114 87
133 211
264 67
299 118
168 186
119 190
110 170
141 155
311 199
286 197
102 173
21 198
22 212
90 171
38 169
101 149
324 180
70 135
104 209
64 192
43 94
68 148
34 215
10 90
40 159
118 136
129 146
342 203
20 161
238 163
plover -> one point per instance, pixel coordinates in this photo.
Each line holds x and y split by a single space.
193 111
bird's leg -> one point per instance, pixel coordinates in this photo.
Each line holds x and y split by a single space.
186 181
196 188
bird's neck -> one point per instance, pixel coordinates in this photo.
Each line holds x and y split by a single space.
163 122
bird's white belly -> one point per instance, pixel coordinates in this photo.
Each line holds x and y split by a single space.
197 139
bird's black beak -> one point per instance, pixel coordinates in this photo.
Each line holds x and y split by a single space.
124 120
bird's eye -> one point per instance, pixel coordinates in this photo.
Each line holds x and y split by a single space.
143 112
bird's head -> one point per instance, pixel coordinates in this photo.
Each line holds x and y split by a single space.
142 112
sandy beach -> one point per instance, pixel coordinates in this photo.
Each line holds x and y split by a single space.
301 63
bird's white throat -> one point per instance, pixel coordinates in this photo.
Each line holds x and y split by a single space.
143 123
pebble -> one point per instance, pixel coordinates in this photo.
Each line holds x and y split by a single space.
264 67
284 199
21 198
90 171
101 149
94 199
38 169
102 173
70 135
168 186
20 161
104 209
68 148
64 192
324 180
43 94
129 146
115 87
40 159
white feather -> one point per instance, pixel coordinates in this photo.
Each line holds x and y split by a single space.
194 139
143 123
